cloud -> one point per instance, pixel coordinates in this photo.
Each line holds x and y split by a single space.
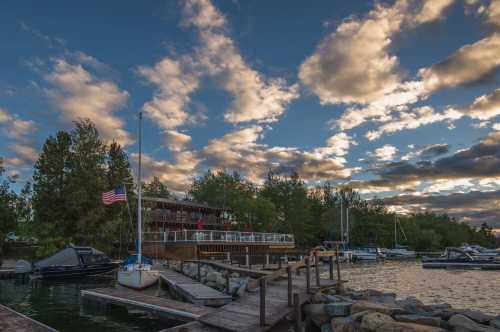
338 145
240 151
76 93
177 141
25 152
485 107
492 13
255 97
413 119
431 151
15 127
175 79
177 175
432 10
474 207
386 152
467 65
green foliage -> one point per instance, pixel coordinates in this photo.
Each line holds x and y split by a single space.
71 173
156 189
8 200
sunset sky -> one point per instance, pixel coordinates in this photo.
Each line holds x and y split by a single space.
399 99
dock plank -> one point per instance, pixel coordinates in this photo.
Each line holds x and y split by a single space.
180 310
13 321
192 290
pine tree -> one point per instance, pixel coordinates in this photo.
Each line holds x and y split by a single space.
156 189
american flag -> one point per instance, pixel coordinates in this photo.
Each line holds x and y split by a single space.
116 195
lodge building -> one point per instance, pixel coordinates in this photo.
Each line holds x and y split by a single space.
183 230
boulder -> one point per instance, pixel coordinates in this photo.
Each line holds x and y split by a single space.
377 322
212 276
338 298
348 324
475 315
319 297
243 283
463 323
235 275
316 312
338 309
327 327
412 304
419 319
374 296
387 309
495 322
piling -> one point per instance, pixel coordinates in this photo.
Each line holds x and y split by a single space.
262 282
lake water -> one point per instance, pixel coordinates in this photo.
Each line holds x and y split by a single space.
474 289
58 304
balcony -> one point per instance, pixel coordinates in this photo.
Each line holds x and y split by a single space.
211 236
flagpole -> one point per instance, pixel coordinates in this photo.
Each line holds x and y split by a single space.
139 197
129 215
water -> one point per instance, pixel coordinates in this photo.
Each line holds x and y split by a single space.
58 304
473 289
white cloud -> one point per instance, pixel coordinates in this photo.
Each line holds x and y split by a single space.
492 13
413 119
485 107
177 141
24 152
255 97
338 145
76 93
386 152
176 80
469 64
432 10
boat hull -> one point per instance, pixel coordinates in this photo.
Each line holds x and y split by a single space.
448 264
68 272
137 279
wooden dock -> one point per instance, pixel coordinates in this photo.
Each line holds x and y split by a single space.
192 290
160 306
13 321
253 273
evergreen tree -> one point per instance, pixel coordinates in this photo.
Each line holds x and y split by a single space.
156 189
7 207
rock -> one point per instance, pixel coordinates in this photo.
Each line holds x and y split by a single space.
319 297
317 313
338 298
235 275
412 304
387 309
374 296
475 315
374 320
327 327
243 286
212 276
348 324
338 309
377 322
419 319
495 322
211 284
463 323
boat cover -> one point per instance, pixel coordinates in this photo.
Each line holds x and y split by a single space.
68 256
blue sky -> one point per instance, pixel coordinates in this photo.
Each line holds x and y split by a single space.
397 98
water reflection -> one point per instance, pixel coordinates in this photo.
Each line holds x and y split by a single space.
474 289
58 304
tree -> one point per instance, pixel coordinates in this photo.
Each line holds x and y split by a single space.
7 206
156 189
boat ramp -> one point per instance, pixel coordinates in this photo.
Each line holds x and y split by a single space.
13 321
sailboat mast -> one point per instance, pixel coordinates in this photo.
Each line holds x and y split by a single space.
395 231
347 226
139 196
341 221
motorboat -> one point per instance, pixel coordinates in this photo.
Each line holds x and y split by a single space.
480 252
400 252
73 262
138 273
367 254
458 258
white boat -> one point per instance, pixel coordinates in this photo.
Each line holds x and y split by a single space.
400 252
366 254
138 274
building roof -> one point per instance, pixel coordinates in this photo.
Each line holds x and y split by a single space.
188 204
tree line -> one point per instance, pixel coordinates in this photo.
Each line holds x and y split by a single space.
63 205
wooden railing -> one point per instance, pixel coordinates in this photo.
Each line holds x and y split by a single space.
210 236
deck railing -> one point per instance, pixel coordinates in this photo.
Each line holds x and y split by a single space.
200 236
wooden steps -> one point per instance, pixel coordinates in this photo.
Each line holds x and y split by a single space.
193 291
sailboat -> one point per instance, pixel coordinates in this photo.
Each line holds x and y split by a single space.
137 272
399 251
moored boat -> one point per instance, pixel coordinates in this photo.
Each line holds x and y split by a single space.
457 258
73 262
400 252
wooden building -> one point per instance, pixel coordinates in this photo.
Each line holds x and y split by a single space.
183 230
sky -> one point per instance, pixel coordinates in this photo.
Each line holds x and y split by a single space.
398 99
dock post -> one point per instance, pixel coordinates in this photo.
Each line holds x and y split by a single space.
267 259
228 257
199 271
339 282
308 275
262 283
279 262
247 258
227 282
316 267
290 286
298 312
330 263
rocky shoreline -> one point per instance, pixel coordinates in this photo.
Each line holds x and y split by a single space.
375 311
